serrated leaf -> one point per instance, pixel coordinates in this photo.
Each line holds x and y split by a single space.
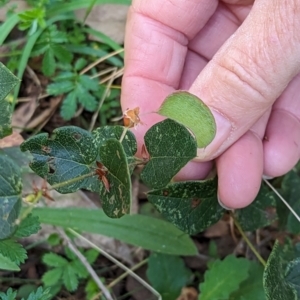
224 277
142 231
48 63
69 106
89 83
28 226
293 275
60 87
85 98
54 260
52 277
40 294
61 53
67 154
8 264
7 82
171 147
275 285
10 195
251 288
13 250
192 205
91 255
190 111
167 274
115 202
70 279
258 213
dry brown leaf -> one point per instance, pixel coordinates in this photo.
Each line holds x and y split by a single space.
15 139
217 230
188 293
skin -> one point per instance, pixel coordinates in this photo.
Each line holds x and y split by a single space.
243 60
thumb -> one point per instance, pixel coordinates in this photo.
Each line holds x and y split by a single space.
250 71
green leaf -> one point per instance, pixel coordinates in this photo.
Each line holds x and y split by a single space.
167 274
70 279
224 277
7 82
10 195
275 285
89 83
10 295
192 205
69 106
54 260
293 274
61 53
60 87
85 98
115 202
258 214
13 250
251 288
142 231
28 226
40 294
171 147
191 111
7 264
48 64
67 154
52 277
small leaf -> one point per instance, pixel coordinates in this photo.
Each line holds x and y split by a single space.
48 64
70 279
190 111
192 205
28 226
10 295
40 294
13 250
224 277
258 214
60 87
171 147
89 83
275 284
61 53
54 260
69 106
115 202
67 154
7 82
52 277
7 264
167 274
293 274
142 231
10 195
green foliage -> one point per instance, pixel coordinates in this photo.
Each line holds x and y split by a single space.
13 250
224 277
142 231
167 274
7 82
66 271
39 294
30 225
192 206
171 147
32 19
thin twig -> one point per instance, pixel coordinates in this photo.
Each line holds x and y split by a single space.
282 199
119 264
84 261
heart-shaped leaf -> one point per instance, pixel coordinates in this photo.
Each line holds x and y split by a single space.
67 154
115 202
190 111
259 213
7 82
10 196
170 146
192 205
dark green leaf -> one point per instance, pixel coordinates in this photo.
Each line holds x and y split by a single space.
13 250
293 275
193 113
275 285
67 154
10 195
7 82
19 158
28 226
60 87
171 147
54 260
7 264
52 277
251 288
142 231
69 106
80 64
224 277
70 279
167 274
85 98
61 53
48 64
115 202
259 213
192 205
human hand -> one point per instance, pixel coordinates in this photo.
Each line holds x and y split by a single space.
243 61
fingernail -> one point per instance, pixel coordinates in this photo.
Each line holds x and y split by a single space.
221 204
224 129
266 177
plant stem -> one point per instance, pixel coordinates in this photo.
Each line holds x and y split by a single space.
123 134
250 245
84 261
